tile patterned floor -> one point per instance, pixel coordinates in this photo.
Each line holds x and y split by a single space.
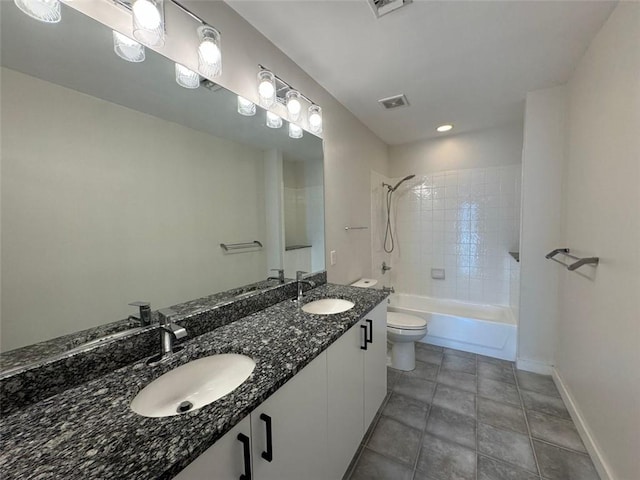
460 416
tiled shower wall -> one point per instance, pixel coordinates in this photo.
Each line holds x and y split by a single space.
465 221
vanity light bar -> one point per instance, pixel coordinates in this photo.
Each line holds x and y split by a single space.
282 87
149 28
273 89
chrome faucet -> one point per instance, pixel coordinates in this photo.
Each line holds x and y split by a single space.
389 289
301 281
169 332
145 313
385 268
280 276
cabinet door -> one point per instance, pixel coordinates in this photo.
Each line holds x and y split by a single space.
345 366
222 461
375 363
297 413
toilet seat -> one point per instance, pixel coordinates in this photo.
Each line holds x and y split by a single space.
405 322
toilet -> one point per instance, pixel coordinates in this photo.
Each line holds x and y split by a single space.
403 331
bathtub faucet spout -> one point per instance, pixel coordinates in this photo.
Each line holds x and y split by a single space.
388 289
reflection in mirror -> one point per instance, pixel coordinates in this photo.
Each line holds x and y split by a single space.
120 185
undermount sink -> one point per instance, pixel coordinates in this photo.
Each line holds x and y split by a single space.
193 385
328 306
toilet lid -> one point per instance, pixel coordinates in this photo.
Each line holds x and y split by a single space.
402 320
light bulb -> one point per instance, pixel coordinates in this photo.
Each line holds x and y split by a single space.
147 21
266 88
47 11
273 120
246 107
127 49
444 128
294 107
209 53
295 131
315 119
186 77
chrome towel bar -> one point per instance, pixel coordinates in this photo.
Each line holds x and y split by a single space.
356 228
240 246
572 266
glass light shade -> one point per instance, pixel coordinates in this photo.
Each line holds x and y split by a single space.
127 49
187 78
294 105
295 131
315 119
266 88
444 128
47 11
148 21
273 120
246 107
209 51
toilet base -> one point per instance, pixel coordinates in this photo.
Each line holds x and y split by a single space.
403 356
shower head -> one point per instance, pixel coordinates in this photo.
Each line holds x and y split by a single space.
408 177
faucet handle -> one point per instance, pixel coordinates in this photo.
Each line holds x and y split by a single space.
280 273
140 303
166 314
145 312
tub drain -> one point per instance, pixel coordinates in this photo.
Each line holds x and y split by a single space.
184 407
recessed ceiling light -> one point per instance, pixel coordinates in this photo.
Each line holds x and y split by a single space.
444 128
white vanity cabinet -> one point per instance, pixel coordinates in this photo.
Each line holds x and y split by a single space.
226 459
285 437
375 363
357 385
297 416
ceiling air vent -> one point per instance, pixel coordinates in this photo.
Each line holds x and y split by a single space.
382 7
396 101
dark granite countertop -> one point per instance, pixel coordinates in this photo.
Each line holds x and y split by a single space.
89 432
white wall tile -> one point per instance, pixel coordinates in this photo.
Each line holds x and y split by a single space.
464 221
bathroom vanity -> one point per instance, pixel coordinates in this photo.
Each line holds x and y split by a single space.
318 381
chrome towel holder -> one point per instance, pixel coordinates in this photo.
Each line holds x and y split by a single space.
240 246
572 266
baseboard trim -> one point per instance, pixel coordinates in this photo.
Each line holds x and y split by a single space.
533 366
583 429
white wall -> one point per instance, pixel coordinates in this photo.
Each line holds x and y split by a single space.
106 190
542 175
350 149
491 147
598 345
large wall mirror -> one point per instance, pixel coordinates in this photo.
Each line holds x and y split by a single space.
120 185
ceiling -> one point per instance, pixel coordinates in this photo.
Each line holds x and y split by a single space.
469 63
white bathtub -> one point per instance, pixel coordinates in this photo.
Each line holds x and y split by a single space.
485 329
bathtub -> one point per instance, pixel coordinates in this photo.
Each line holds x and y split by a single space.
485 329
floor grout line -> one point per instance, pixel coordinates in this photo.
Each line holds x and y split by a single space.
424 429
526 421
